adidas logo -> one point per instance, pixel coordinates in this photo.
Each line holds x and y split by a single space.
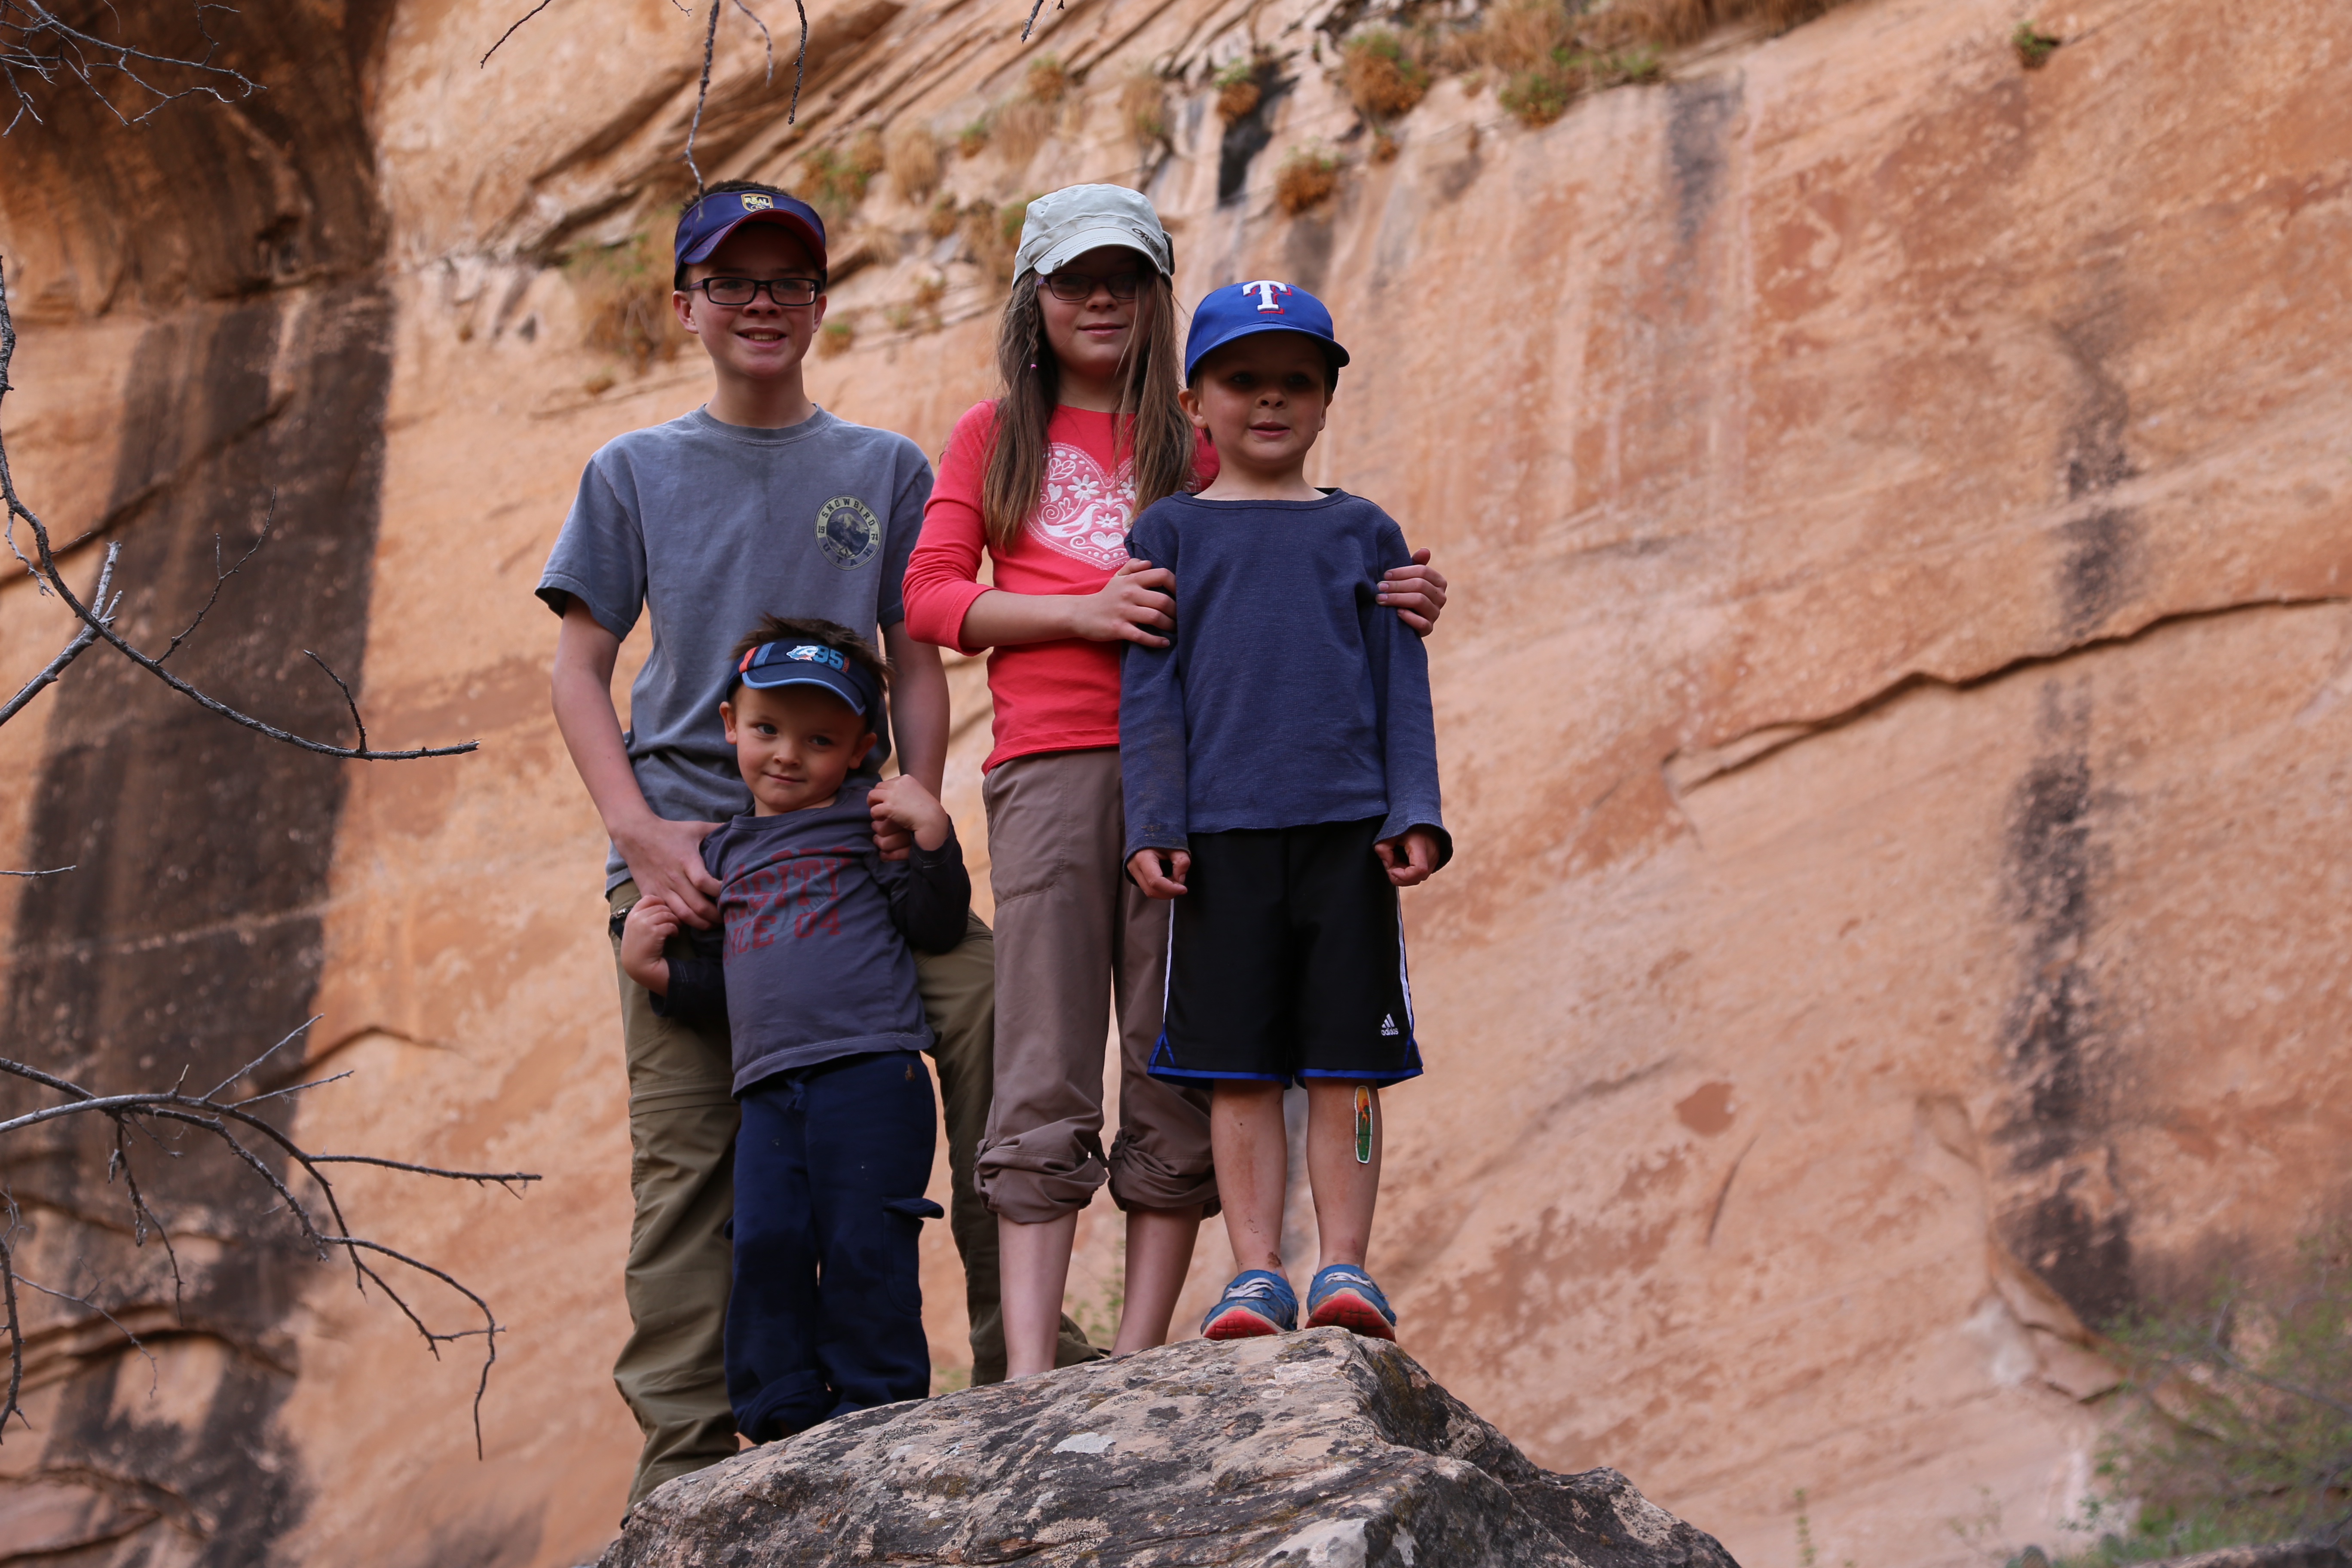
1387 1024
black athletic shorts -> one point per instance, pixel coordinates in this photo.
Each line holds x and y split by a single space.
1285 961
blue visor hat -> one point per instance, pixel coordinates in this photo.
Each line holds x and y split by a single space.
775 664
705 226
1237 310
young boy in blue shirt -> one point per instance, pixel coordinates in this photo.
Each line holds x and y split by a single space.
817 987
1280 767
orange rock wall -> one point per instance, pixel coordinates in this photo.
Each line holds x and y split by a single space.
1893 706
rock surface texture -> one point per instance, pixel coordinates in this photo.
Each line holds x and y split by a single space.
1896 706
1311 1449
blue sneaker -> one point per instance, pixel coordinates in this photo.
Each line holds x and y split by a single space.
1257 1302
1344 1296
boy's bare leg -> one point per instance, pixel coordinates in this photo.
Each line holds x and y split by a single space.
1253 1156
1159 1255
1034 1264
1345 1189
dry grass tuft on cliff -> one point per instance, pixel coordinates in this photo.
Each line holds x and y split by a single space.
1237 89
1021 127
1381 74
836 180
1143 108
624 292
1308 175
910 156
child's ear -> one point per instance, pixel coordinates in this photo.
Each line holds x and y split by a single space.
857 753
727 717
681 304
1190 401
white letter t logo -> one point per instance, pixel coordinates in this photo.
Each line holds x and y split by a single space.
1265 290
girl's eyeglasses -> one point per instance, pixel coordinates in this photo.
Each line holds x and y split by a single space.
786 291
1076 287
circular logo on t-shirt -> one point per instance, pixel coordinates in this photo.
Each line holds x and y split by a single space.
849 532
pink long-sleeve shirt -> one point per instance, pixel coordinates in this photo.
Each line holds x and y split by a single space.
1050 696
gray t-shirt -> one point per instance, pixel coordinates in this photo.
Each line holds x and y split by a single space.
710 526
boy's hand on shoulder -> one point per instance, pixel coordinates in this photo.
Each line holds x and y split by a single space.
1411 856
1132 606
1416 593
666 859
1160 873
904 814
651 923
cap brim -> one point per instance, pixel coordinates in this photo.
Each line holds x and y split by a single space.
1077 245
1331 346
793 222
808 677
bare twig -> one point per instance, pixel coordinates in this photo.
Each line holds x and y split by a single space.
52 871
83 637
511 31
224 1119
1035 6
219 576
702 93
96 620
36 45
349 700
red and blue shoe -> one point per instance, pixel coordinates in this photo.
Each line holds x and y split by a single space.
1344 1297
1258 1302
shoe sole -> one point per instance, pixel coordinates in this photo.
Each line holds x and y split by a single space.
1352 1313
1239 1324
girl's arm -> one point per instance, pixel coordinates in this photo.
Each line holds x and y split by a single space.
1133 606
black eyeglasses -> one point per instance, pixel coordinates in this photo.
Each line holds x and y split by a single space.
786 291
1075 287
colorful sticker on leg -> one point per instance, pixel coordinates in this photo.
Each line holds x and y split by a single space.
1363 1124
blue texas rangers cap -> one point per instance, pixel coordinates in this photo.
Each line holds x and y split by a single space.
797 663
704 226
1237 310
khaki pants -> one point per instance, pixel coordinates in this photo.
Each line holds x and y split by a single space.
1074 938
682 1117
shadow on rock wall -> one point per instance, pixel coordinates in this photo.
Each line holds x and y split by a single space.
246 239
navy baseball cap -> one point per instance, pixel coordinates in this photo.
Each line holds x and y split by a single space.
1237 310
704 226
775 664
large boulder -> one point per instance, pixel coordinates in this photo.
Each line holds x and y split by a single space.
1316 1449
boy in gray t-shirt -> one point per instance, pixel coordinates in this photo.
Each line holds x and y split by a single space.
758 502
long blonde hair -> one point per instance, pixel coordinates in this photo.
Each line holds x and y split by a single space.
1151 425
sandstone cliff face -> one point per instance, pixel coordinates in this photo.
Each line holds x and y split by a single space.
1894 708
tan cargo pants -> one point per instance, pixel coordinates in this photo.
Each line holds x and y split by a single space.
682 1118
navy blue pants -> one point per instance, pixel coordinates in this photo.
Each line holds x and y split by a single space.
827 1313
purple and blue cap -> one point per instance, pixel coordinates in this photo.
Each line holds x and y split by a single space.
704 226
800 663
1237 310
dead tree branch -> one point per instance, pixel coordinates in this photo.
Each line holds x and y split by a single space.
97 617
709 51
224 1119
40 48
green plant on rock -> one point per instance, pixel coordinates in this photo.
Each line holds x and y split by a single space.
1382 76
1237 88
1307 175
2241 1424
624 289
2033 46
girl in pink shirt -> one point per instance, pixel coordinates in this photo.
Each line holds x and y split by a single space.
1045 480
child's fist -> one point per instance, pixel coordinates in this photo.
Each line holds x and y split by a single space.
904 812
1160 873
650 924
1409 858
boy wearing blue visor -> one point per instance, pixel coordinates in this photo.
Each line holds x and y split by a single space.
817 987
1280 769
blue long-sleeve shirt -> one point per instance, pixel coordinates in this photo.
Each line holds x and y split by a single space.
1287 694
